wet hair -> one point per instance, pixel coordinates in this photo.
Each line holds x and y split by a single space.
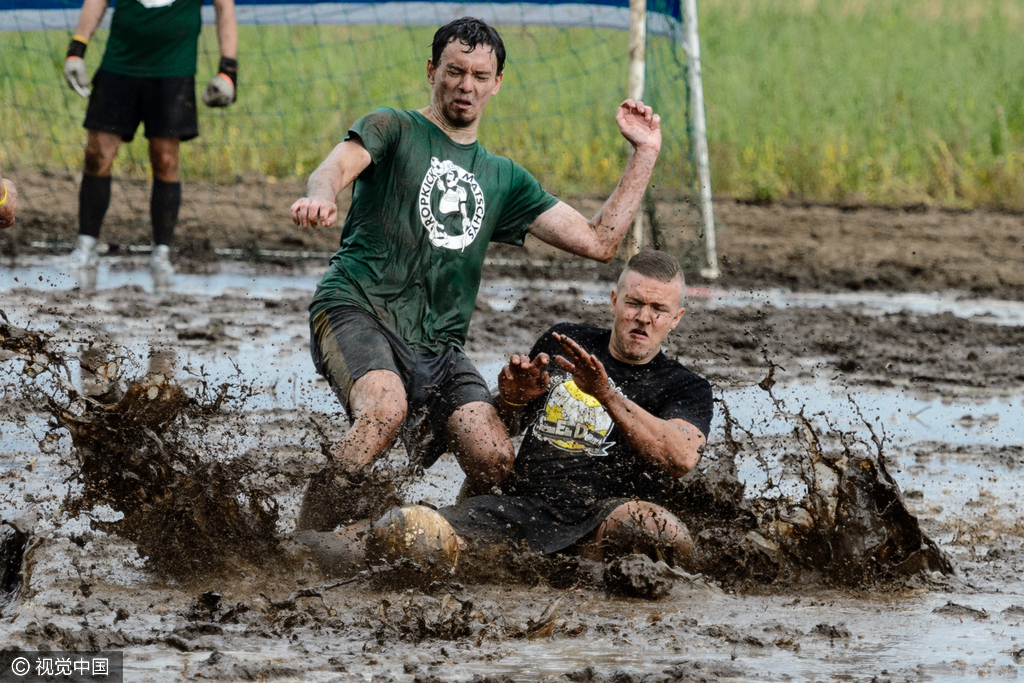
470 32
654 264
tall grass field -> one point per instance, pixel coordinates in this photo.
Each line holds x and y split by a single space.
891 101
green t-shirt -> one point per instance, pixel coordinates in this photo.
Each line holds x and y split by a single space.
422 214
153 38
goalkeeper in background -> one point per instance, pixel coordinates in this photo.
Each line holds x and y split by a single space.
148 75
390 316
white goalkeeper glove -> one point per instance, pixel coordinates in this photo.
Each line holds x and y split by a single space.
221 90
74 67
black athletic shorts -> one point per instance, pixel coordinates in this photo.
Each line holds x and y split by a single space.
346 342
166 105
544 526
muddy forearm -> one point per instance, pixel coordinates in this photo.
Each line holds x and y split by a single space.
656 440
613 220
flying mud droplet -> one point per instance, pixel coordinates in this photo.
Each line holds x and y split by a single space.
140 451
850 527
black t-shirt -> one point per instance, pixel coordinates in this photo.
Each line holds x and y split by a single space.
572 452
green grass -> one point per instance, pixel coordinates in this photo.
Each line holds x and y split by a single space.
899 101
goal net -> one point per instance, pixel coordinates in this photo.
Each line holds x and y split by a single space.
309 69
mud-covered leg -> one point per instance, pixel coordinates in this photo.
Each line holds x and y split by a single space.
341 492
643 528
479 440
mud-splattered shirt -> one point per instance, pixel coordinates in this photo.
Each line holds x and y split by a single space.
572 452
422 214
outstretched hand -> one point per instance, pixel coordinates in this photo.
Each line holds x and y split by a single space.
640 125
523 380
586 369
309 212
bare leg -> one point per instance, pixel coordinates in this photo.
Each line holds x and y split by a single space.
163 155
100 151
378 404
640 527
480 442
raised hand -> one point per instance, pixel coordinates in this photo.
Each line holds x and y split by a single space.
523 380
640 125
587 370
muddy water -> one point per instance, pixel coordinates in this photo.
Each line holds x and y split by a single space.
954 454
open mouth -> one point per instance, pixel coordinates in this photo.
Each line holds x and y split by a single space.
462 104
638 333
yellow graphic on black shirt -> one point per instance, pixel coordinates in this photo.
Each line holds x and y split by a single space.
574 420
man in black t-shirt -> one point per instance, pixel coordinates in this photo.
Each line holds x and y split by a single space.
609 421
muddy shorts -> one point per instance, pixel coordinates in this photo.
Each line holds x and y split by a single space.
514 520
166 105
346 342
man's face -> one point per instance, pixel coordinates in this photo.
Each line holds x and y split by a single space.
645 311
463 82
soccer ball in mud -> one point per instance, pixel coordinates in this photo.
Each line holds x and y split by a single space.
412 545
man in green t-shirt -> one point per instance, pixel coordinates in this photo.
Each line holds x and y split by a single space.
391 314
148 75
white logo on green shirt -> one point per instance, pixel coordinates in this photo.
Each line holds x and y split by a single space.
459 208
153 4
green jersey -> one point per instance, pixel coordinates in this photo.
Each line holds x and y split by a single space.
422 214
153 38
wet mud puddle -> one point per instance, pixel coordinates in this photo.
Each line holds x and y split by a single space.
957 463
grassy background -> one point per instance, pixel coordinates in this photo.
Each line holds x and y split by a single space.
892 101
301 87
898 100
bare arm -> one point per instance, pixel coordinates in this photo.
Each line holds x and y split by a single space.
672 445
227 27
339 170
90 17
564 227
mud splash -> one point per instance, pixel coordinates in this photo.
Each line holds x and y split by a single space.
840 518
138 448
142 447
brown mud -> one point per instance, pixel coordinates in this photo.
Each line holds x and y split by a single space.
814 590
792 244
850 582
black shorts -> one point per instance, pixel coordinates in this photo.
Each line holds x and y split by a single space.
346 342
166 105
542 525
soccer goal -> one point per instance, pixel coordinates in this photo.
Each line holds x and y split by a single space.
309 69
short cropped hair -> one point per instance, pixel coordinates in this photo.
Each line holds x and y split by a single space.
470 32
654 264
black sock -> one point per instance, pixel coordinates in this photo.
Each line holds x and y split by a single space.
93 200
163 208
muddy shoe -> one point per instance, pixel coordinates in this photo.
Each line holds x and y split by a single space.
160 268
83 263
334 499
